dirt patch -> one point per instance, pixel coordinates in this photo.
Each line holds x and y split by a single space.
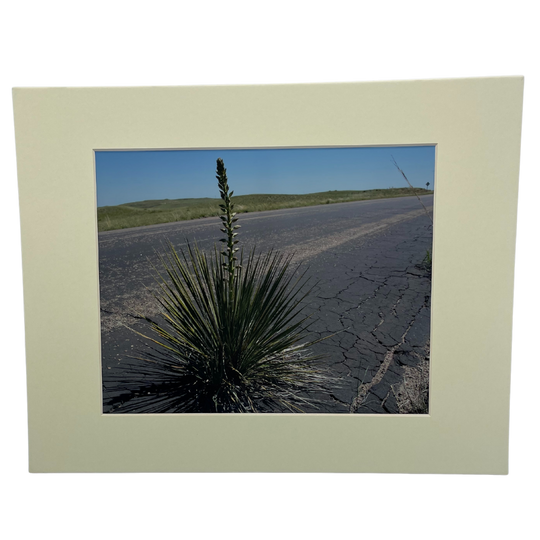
412 395
122 311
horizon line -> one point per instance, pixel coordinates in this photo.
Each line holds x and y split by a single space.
270 194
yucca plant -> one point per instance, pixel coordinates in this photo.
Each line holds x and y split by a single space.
232 337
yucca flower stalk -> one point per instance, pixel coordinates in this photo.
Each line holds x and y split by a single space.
229 219
232 336
411 186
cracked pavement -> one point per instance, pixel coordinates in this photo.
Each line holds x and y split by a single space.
372 297
377 302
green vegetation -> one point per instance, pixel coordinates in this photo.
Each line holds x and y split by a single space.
231 336
427 260
143 213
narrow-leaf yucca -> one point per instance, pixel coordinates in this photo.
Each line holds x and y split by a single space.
232 334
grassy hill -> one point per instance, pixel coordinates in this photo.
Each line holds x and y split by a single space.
143 213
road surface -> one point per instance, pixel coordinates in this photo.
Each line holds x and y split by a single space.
373 290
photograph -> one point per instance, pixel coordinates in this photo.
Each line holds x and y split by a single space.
266 280
341 276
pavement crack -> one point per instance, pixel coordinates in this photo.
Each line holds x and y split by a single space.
125 314
383 403
364 388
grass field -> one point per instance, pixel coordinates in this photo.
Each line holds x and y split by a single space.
139 214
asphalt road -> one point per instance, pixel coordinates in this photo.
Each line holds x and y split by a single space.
372 290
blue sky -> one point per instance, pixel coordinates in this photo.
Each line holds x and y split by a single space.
130 176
